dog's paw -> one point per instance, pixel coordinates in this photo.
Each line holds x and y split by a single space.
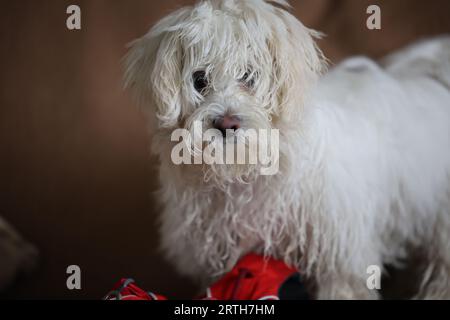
17 256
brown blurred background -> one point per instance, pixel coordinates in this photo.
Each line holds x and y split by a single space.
75 171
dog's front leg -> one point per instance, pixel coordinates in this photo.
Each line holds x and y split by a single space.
345 287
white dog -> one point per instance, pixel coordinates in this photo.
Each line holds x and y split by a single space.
364 150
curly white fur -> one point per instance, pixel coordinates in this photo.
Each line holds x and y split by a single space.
364 152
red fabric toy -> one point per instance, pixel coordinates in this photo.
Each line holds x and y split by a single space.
253 278
125 289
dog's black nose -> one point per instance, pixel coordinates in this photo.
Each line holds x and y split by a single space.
227 123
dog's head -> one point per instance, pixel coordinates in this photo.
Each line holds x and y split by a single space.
231 64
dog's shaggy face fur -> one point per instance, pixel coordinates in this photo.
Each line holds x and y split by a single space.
237 58
353 187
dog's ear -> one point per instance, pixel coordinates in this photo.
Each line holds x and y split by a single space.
297 62
153 70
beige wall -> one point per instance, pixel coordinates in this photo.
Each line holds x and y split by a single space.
75 171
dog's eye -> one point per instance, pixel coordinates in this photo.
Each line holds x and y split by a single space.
248 79
200 81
